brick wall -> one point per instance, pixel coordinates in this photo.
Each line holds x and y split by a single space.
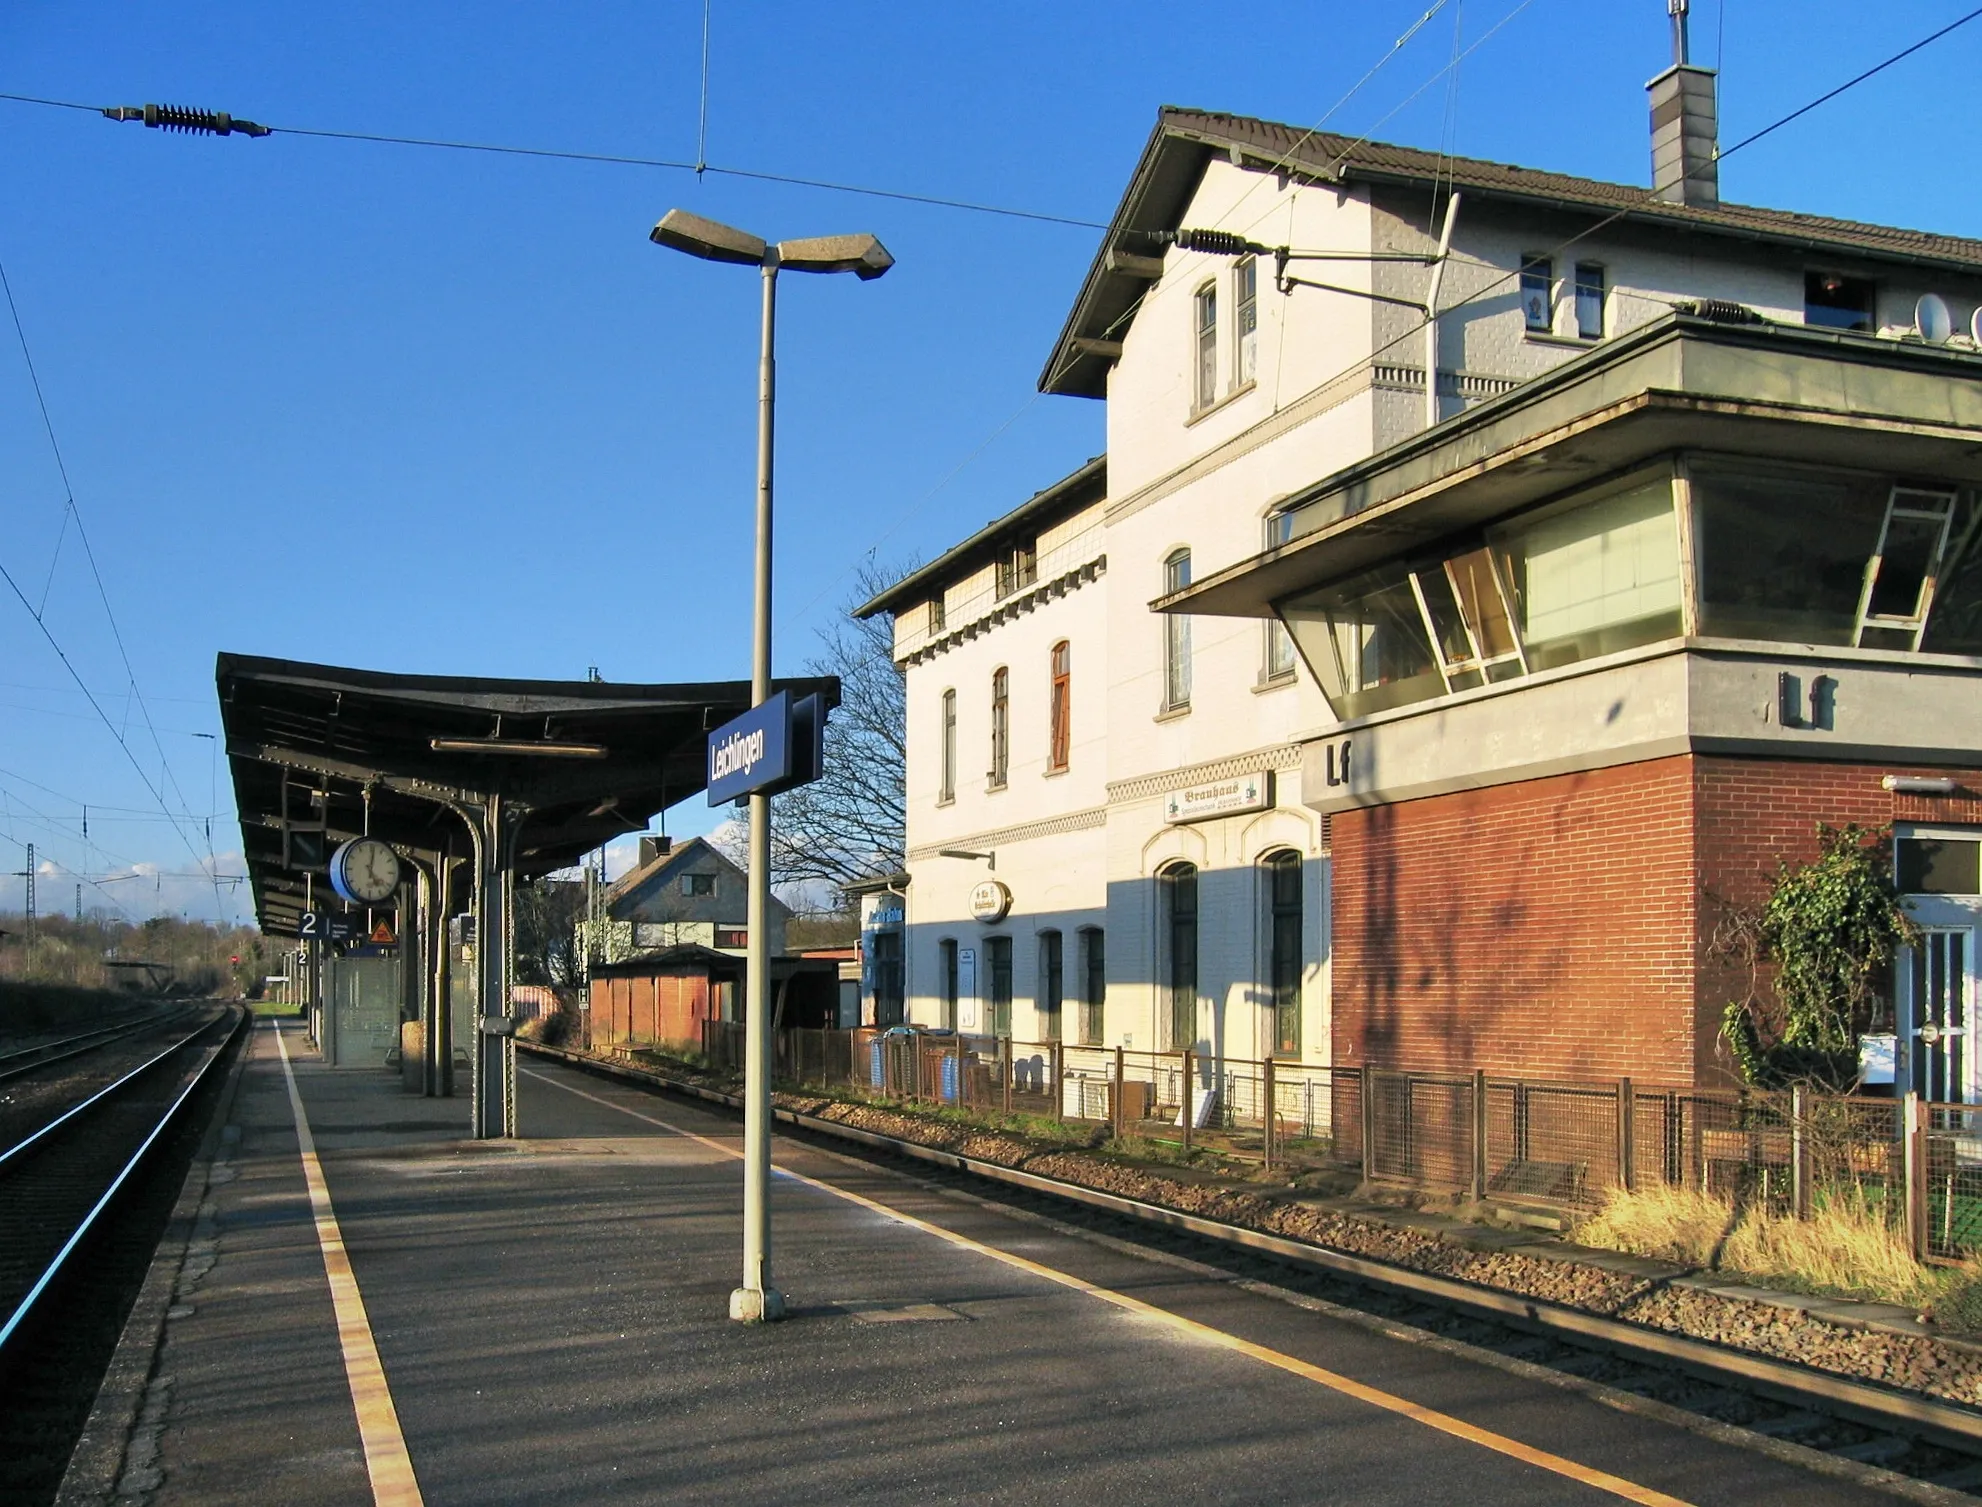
1562 927
1544 927
1752 815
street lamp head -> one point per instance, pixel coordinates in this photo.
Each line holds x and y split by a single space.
709 239
862 255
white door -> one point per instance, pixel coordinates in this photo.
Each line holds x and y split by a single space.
1937 981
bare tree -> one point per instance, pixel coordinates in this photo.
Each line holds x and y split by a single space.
850 823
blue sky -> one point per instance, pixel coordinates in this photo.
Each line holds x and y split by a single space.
449 412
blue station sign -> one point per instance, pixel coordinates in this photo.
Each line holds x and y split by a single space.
773 747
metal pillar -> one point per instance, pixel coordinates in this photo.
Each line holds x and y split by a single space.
494 1112
438 1077
757 1300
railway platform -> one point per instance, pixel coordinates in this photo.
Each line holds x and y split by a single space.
373 1307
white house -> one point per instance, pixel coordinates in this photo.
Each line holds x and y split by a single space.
1119 825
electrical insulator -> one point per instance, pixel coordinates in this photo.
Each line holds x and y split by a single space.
1218 242
179 118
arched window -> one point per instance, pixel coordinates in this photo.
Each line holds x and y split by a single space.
1001 727
1059 718
1094 983
1283 948
1051 984
947 948
998 965
1176 635
1178 887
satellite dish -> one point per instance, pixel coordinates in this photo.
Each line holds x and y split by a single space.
1931 320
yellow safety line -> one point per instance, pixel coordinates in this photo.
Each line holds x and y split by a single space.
1445 1423
390 1467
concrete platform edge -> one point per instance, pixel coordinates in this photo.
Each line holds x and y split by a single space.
96 1465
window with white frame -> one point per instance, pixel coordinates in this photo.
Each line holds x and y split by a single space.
698 884
1205 306
1245 321
1176 635
947 790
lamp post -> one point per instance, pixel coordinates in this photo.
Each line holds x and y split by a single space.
865 257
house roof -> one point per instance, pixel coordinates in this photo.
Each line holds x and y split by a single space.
1185 140
1066 496
662 865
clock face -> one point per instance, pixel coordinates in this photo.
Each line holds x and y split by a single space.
368 870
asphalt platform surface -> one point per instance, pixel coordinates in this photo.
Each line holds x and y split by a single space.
551 1315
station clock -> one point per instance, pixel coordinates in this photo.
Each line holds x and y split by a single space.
365 871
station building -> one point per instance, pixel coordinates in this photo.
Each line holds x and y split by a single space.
1463 714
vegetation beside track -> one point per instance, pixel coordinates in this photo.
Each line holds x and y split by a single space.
30 1008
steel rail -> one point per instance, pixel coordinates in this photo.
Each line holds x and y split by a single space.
1867 1403
76 1237
12 1067
103 1093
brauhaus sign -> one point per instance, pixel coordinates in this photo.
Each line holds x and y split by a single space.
769 748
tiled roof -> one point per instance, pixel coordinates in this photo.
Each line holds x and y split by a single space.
1336 156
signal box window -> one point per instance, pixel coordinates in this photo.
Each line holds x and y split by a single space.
1837 302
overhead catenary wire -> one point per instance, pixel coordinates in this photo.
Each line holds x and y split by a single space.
620 159
72 512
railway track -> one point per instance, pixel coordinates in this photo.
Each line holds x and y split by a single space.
83 1197
29 1060
1913 1446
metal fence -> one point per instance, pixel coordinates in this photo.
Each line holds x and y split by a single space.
1560 1144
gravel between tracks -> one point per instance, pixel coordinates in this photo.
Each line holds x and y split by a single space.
1927 1365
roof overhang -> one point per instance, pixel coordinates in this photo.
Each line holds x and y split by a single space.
1068 495
1782 392
1184 141
364 741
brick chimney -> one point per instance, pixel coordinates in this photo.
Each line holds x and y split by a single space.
1685 124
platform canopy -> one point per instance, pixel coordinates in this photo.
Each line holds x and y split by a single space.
401 756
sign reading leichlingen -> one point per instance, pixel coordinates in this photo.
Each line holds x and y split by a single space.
990 901
1196 803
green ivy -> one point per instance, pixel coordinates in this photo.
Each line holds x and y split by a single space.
1831 927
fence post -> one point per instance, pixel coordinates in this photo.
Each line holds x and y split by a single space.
1005 1071
1269 1115
1799 1152
1915 1145
1115 1105
1627 1135
956 1056
1188 1085
1479 1188
1365 1101
1060 1081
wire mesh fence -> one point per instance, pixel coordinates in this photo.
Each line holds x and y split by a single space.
1916 1165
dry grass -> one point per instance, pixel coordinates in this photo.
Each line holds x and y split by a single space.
1846 1248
